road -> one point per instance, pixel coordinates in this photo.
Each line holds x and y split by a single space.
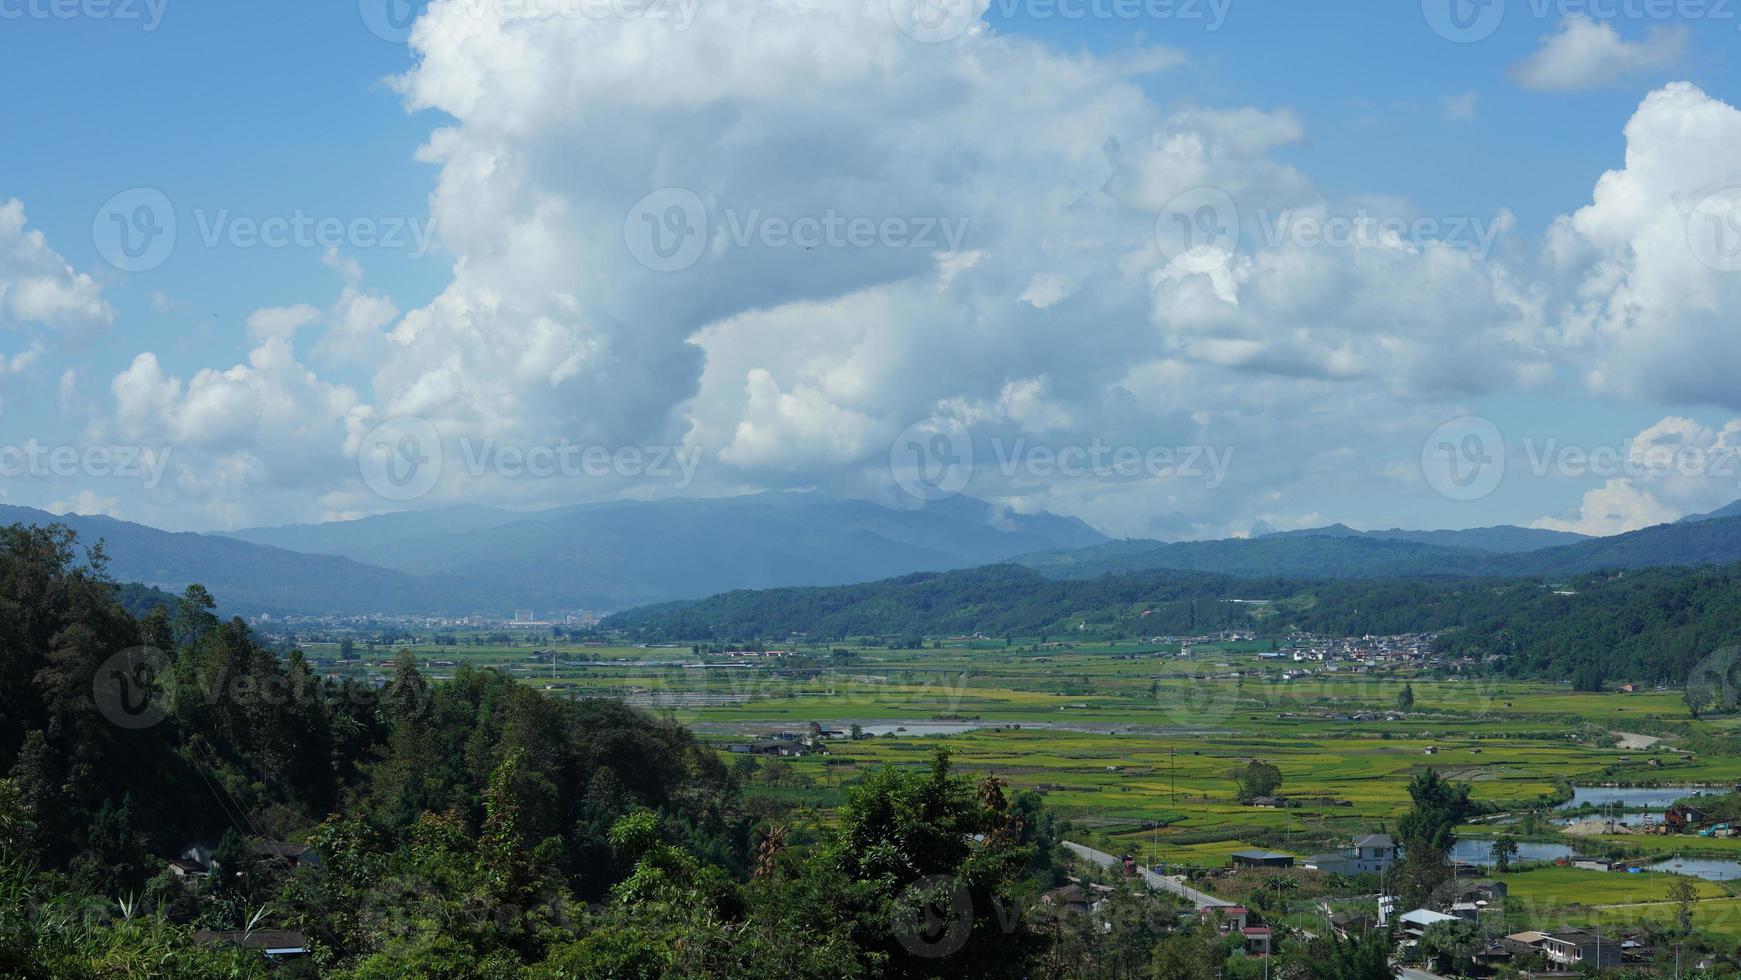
1158 882
1409 973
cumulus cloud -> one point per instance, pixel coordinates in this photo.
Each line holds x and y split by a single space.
87 503
1012 272
1064 314
1654 261
1588 53
37 286
280 322
243 443
1673 468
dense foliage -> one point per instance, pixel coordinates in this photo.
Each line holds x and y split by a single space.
1335 555
997 600
468 828
1650 626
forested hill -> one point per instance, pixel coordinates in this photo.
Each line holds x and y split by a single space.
1651 625
1332 554
168 779
996 600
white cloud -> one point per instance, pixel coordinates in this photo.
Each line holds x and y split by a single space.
246 444
280 322
1060 320
1461 107
1587 53
1615 507
1673 468
798 430
86 503
37 286
1651 297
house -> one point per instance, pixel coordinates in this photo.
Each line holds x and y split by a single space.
289 854
275 943
1330 864
1270 802
1262 859
1352 926
1374 853
1577 948
1371 854
1257 940
1229 917
1414 924
186 868
1485 890
1074 898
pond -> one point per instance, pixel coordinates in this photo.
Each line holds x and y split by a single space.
919 728
1638 797
1708 869
1480 852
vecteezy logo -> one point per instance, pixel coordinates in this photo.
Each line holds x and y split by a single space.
131 688
1199 229
932 459
400 459
1464 459
1197 701
390 20
1463 21
1712 684
933 918
134 231
934 21
667 231
1714 230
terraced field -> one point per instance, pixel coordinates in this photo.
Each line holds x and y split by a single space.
1135 744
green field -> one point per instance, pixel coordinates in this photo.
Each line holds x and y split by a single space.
1134 745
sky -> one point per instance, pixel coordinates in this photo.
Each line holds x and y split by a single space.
1180 268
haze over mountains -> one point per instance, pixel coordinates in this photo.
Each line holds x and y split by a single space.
616 556
604 557
1336 553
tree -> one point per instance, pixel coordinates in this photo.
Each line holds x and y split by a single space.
1357 958
923 897
1427 835
1447 945
1257 778
1684 892
1504 852
193 614
1405 699
1188 955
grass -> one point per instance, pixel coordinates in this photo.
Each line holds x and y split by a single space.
1135 744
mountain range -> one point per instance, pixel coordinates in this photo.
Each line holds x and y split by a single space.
1340 552
626 554
605 557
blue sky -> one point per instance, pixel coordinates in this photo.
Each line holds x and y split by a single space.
259 110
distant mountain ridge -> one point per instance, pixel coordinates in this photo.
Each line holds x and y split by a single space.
1505 538
249 578
1353 554
626 553
1730 510
464 560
